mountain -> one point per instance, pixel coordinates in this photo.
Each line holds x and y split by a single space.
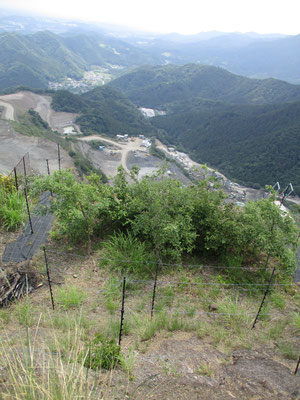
158 86
252 144
103 110
246 128
34 60
249 54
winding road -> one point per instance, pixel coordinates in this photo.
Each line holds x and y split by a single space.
124 147
9 112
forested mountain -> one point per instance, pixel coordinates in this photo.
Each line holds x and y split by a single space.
103 110
250 54
35 59
158 86
248 129
252 144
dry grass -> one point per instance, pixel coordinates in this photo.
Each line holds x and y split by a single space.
42 360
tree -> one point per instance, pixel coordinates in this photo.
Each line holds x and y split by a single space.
77 205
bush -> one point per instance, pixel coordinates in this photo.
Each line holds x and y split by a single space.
102 353
121 247
7 183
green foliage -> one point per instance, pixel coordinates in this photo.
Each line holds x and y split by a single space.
12 207
37 120
102 353
156 215
7 183
288 350
121 247
70 297
24 313
158 86
79 206
233 123
103 110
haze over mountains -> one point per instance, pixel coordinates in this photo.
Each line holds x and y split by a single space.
247 128
248 54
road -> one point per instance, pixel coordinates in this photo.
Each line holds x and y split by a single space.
8 112
123 147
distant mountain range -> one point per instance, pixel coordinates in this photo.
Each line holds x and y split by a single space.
34 60
248 128
156 86
83 45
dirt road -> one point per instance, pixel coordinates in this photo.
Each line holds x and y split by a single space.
123 147
8 112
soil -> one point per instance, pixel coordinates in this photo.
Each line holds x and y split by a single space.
14 146
170 365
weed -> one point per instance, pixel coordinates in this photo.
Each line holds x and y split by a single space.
169 369
127 362
190 310
113 328
278 300
176 324
121 247
34 374
102 353
70 297
288 350
12 209
204 369
111 305
276 330
4 316
296 321
24 313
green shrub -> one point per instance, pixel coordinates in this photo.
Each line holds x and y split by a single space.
102 353
12 209
121 248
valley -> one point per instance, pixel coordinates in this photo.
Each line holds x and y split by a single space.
125 153
155 264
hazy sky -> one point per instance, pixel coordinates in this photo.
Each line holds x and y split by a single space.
184 16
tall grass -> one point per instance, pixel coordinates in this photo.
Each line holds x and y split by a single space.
120 248
12 209
33 373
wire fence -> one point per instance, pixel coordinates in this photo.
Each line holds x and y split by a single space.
21 171
189 297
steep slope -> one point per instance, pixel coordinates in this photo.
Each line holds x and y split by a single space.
98 49
103 110
253 144
158 86
35 59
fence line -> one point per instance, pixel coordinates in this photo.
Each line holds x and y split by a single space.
146 308
155 262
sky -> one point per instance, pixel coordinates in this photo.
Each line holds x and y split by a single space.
182 16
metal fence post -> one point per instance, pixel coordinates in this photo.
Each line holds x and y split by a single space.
16 178
48 276
24 167
28 211
263 300
48 169
58 153
154 290
122 310
297 366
